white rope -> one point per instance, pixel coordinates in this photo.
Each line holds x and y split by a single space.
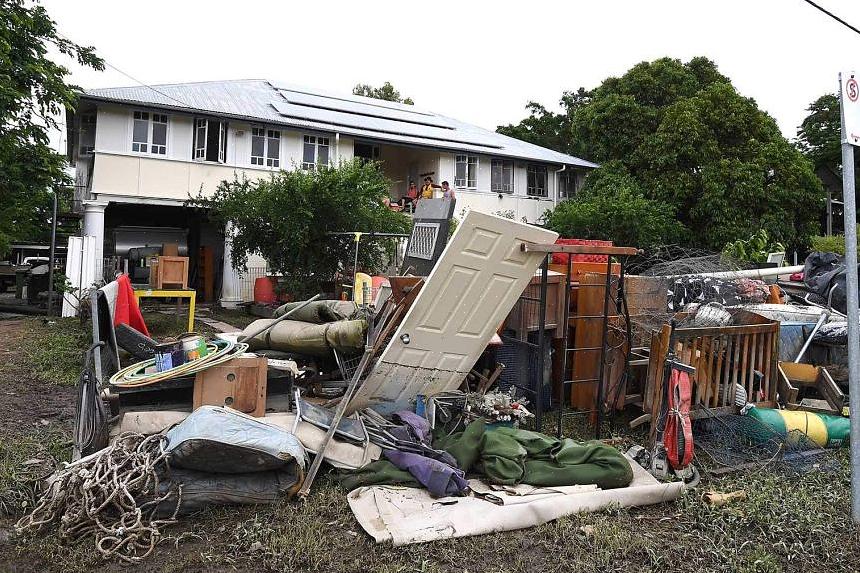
112 495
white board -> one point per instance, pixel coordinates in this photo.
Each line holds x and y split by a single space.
82 269
472 288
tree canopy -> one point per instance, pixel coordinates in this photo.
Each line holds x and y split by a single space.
819 135
287 219
386 91
689 141
33 91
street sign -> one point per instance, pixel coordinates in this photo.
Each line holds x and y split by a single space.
849 93
850 100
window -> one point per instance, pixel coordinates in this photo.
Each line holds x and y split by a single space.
567 184
210 140
466 171
502 176
87 138
536 181
316 152
149 133
366 151
265 147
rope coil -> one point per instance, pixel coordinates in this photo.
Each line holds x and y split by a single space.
113 495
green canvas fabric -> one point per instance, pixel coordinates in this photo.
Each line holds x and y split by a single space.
380 472
509 456
465 446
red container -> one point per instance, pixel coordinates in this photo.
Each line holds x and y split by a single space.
264 290
561 258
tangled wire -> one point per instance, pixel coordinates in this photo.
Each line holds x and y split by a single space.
113 494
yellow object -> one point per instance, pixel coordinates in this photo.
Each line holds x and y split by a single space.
363 285
427 192
190 294
807 423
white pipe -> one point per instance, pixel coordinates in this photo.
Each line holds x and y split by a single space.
558 184
744 274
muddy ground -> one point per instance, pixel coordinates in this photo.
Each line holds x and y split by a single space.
790 522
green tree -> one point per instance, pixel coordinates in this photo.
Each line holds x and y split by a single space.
611 206
709 155
33 92
287 219
819 135
548 129
386 91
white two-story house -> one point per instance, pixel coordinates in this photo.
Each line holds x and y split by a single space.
140 152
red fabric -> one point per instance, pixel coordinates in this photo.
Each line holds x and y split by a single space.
679 430
126 310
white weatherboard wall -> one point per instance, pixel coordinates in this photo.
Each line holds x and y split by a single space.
82 271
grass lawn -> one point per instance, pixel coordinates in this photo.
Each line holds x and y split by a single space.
789 522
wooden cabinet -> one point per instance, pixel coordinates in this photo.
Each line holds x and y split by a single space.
168 272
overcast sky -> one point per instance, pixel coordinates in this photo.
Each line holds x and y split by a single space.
479 62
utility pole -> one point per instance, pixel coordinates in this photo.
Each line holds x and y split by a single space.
849 93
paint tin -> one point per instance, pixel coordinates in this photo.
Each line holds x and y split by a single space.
193 346
169 355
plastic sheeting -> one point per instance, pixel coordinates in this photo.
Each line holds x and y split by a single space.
340 454
346 336
221 440
405 515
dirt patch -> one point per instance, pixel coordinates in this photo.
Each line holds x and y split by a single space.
28 402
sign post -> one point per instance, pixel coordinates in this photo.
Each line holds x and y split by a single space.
849 94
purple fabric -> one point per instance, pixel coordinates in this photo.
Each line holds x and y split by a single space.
440 479
418 425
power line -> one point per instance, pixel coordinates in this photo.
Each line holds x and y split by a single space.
132 78
144 84
832 15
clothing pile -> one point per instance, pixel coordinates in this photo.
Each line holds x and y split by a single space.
501 455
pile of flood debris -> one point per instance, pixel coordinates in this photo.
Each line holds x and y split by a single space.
418 399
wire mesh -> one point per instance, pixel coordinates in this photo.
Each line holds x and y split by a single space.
742 442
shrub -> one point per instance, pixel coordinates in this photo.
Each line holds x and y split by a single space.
829 244
612 207
288 219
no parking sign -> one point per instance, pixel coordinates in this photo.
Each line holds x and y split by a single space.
850 100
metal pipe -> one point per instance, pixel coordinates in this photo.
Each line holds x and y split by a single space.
743 274
284 316
849 213
822 318
51 256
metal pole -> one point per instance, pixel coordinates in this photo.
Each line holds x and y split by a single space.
849 213
601 378
51 257
540 345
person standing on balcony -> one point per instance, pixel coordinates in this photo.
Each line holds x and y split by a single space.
427 190
447 192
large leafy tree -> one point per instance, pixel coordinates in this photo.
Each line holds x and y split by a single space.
818 137
710 156
386 91
33 92
288 219
549 129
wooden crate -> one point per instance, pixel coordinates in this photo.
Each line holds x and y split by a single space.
169 272
239 383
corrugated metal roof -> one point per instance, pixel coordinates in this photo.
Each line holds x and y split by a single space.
269 102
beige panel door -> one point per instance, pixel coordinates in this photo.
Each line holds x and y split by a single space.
472 288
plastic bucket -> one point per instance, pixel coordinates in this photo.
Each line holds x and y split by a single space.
264 290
